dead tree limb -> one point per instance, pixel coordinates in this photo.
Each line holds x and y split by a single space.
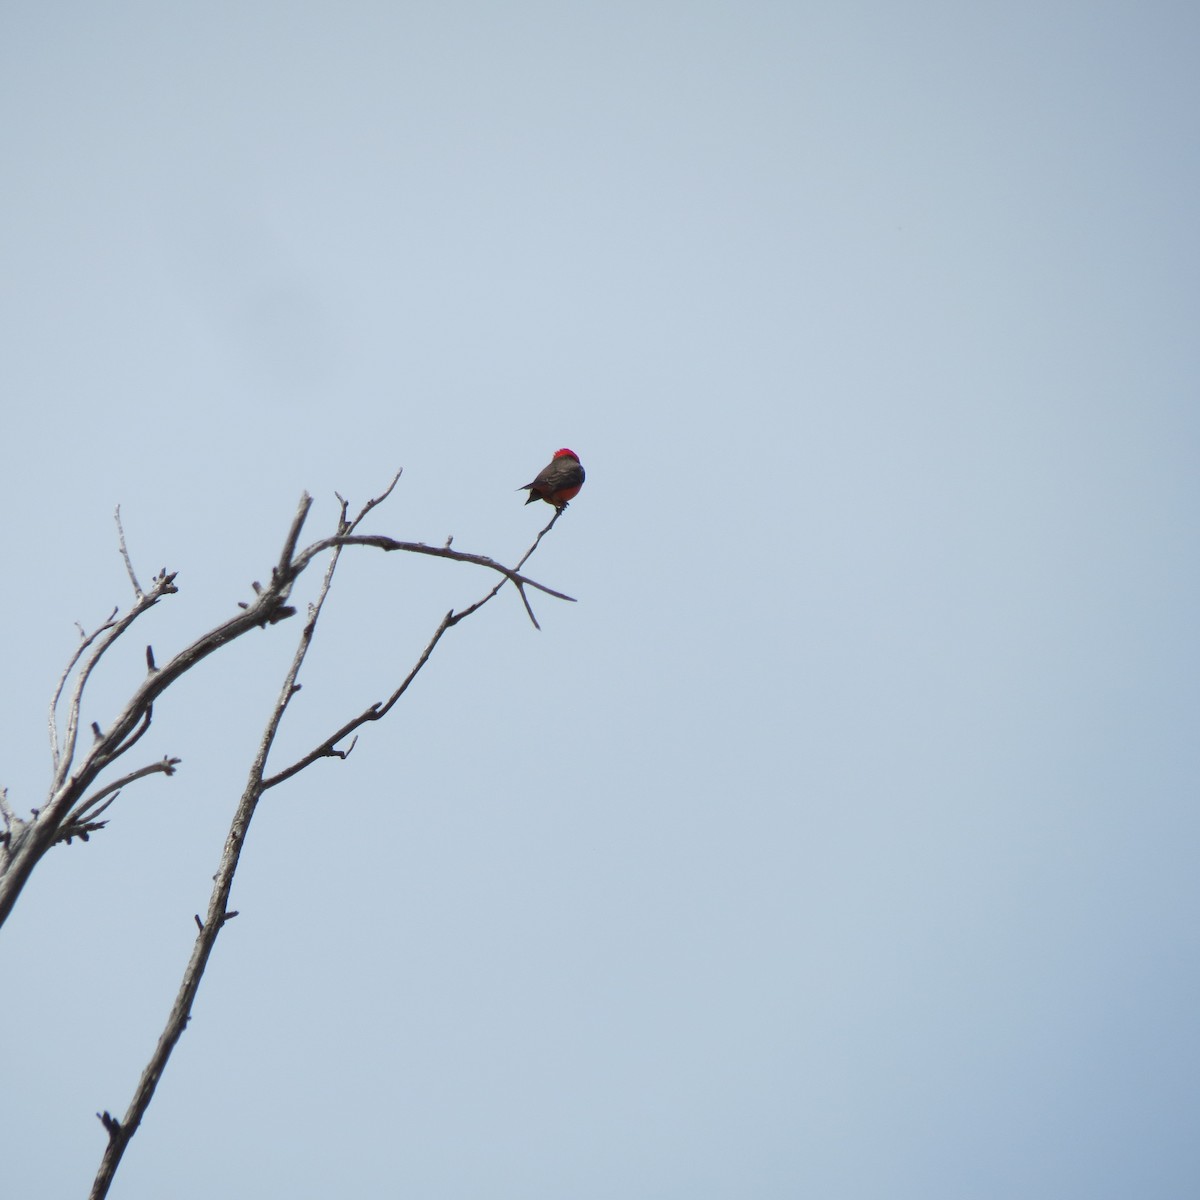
268 601
76 772
257 784
121 1132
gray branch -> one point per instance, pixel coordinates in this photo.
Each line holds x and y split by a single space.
28 840
120 1132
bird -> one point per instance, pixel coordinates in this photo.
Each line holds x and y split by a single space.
558 482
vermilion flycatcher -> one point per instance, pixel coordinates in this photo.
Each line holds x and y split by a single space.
558 482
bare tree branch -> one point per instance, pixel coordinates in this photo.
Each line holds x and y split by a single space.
162 585
75 803
386 543
85 640
257 784
121 1132
137 587
87 811
379 710
466 612
137 735
28 841
374 502
374 712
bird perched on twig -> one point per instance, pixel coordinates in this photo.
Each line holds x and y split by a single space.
558 482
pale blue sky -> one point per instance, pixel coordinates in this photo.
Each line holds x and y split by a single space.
841 841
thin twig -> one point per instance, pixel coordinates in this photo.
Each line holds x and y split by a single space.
136 736
86 639
137 587
84 810
380 542
374 712
466 612
163 585
374 502
386 543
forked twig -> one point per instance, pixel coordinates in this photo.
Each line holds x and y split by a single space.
85 640
87 810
